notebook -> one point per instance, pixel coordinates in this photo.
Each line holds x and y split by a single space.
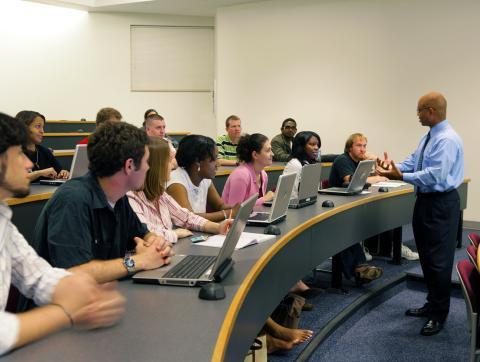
246 239
193 270
280 203
79 167
357 182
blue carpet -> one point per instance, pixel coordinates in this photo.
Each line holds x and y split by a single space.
328 305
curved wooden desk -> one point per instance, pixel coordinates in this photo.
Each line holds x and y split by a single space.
171 323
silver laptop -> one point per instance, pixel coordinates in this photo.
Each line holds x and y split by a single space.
307 189
357 182
280 203
192 270
79 167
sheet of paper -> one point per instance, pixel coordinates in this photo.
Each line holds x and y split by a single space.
246 239
389 184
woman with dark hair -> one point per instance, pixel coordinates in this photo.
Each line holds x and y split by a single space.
255 153
158 210
45 165
305 150
191 183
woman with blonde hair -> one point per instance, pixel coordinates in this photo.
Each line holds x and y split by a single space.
158 210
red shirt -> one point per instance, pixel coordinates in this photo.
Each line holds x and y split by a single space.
84 141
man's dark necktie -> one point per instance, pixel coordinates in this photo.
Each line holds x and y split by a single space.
420 159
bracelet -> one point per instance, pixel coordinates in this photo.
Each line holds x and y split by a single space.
224 215
66 312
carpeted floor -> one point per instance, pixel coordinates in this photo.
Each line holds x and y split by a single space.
379 331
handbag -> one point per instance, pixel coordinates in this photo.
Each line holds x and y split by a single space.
288 311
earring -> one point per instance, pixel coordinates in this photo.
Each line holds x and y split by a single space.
198 170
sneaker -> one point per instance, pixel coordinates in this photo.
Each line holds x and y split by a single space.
409 254
368 256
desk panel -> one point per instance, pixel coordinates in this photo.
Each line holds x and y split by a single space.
172 323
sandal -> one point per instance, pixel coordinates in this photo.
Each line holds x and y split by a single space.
366 273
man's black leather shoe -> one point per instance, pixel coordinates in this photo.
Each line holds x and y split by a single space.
431 327
417 312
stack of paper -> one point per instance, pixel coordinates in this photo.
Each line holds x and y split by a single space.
246 239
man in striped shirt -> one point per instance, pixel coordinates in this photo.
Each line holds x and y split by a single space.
227 144
65 298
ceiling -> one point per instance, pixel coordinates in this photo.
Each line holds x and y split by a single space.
173 7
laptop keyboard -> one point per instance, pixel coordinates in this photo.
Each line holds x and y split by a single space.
259 216
191 267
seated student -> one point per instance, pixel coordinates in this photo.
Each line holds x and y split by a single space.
255 153
305 150
45 165
158 210
88 222
106 114
353 258
191 183
282 143
155 125
197 161
66 299
345 165
227 143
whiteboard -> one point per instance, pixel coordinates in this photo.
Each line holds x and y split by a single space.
172 58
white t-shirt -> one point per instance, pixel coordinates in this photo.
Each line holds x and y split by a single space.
294 166
197 196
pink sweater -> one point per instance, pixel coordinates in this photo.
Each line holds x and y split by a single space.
242 183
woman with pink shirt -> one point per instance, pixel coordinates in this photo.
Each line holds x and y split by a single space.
158 210
255 153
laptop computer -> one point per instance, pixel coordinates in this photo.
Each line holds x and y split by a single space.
193 270
357 182
79 167
280 203
307 190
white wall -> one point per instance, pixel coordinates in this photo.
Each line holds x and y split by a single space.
67 64
340 67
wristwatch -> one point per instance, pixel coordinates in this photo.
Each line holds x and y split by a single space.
129 264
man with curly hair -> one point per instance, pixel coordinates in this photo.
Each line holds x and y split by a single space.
88 224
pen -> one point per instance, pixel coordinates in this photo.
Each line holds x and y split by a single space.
229 217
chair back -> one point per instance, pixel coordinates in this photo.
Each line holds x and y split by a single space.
472 254
474 239
470 281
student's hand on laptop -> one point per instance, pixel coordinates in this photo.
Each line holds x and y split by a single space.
105 311
269 196
182 233
63 174
48 172
234 209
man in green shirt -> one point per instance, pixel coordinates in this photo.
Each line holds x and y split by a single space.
227 144
282 143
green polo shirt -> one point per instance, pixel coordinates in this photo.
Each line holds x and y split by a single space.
78 225
226 149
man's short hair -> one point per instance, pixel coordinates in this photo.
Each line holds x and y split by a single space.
112 144
150 119
12 133
351 140
231 118
106 114
289 120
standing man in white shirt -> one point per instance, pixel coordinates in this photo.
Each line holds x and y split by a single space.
66 299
